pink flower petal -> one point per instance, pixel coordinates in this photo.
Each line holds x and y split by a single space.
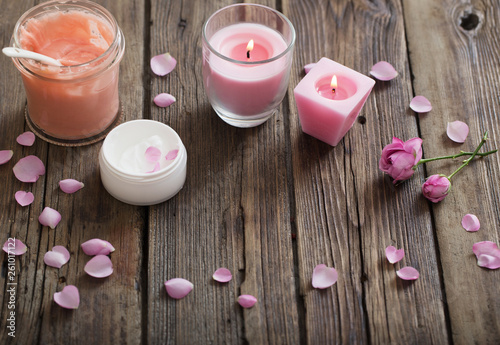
14 247
408 273
49 217
178 287
164 100
100 266
29 169
24 198
5 156
155 169
383 71
323 276
488 254
56 257
420 104
171 155
26 139
163 64
457 131
97 246
153 154
70 186
308 67
68 298
470 222
247 301
222 275
394 255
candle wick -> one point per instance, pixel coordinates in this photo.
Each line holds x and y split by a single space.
248 54
333 90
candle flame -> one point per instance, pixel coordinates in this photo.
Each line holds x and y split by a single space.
333 84
250 46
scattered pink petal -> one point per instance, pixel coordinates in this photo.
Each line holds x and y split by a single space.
163 64
70 186
5 156
178 287
100 266
97 246
24 198
488 254
26 139
29 169
155 169
49 217
408 273
56 257
383 71
153 154
247 301
457 131
308 67
470 222
164 100
68 298
420 104
14 247
323 276
222 275
394 255
171 155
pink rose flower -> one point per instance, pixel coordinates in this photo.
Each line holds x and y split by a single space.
399 158
436 187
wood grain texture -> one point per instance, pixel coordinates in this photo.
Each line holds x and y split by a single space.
456 67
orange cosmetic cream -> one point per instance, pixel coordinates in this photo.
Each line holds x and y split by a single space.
77 103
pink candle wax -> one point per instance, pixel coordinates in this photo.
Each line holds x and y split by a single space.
328 115
246 86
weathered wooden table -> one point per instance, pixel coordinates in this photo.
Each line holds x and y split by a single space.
270 203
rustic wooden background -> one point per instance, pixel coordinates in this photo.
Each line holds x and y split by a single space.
270 203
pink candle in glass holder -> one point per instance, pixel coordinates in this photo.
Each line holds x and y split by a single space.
329 99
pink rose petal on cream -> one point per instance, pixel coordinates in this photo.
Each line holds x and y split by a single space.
247 301
70 185
26 139
49 217
178 287
394 255
420 104
222 275
155 168
68 298
100 266
383 71
470 222
163 64
29 169
56 257
5 156
487 254
308 67
408 273
163 100
153 154
171 155
14 247
323 277
457 131
97 246
24 198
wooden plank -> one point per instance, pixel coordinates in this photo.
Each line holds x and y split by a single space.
110 308
454 57
232 212
346 212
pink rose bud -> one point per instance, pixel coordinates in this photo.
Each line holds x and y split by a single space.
436 187
399 158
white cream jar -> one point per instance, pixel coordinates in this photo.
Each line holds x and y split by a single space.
128 174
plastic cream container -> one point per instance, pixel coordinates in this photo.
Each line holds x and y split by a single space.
126 172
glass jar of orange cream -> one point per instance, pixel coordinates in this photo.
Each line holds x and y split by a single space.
77 103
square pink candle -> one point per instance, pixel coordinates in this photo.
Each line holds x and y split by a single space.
328 111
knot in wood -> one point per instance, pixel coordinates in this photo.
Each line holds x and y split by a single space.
470 19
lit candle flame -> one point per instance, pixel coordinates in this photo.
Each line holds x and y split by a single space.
249 48
333 84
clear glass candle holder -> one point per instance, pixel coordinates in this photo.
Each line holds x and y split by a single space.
245 84
75 104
